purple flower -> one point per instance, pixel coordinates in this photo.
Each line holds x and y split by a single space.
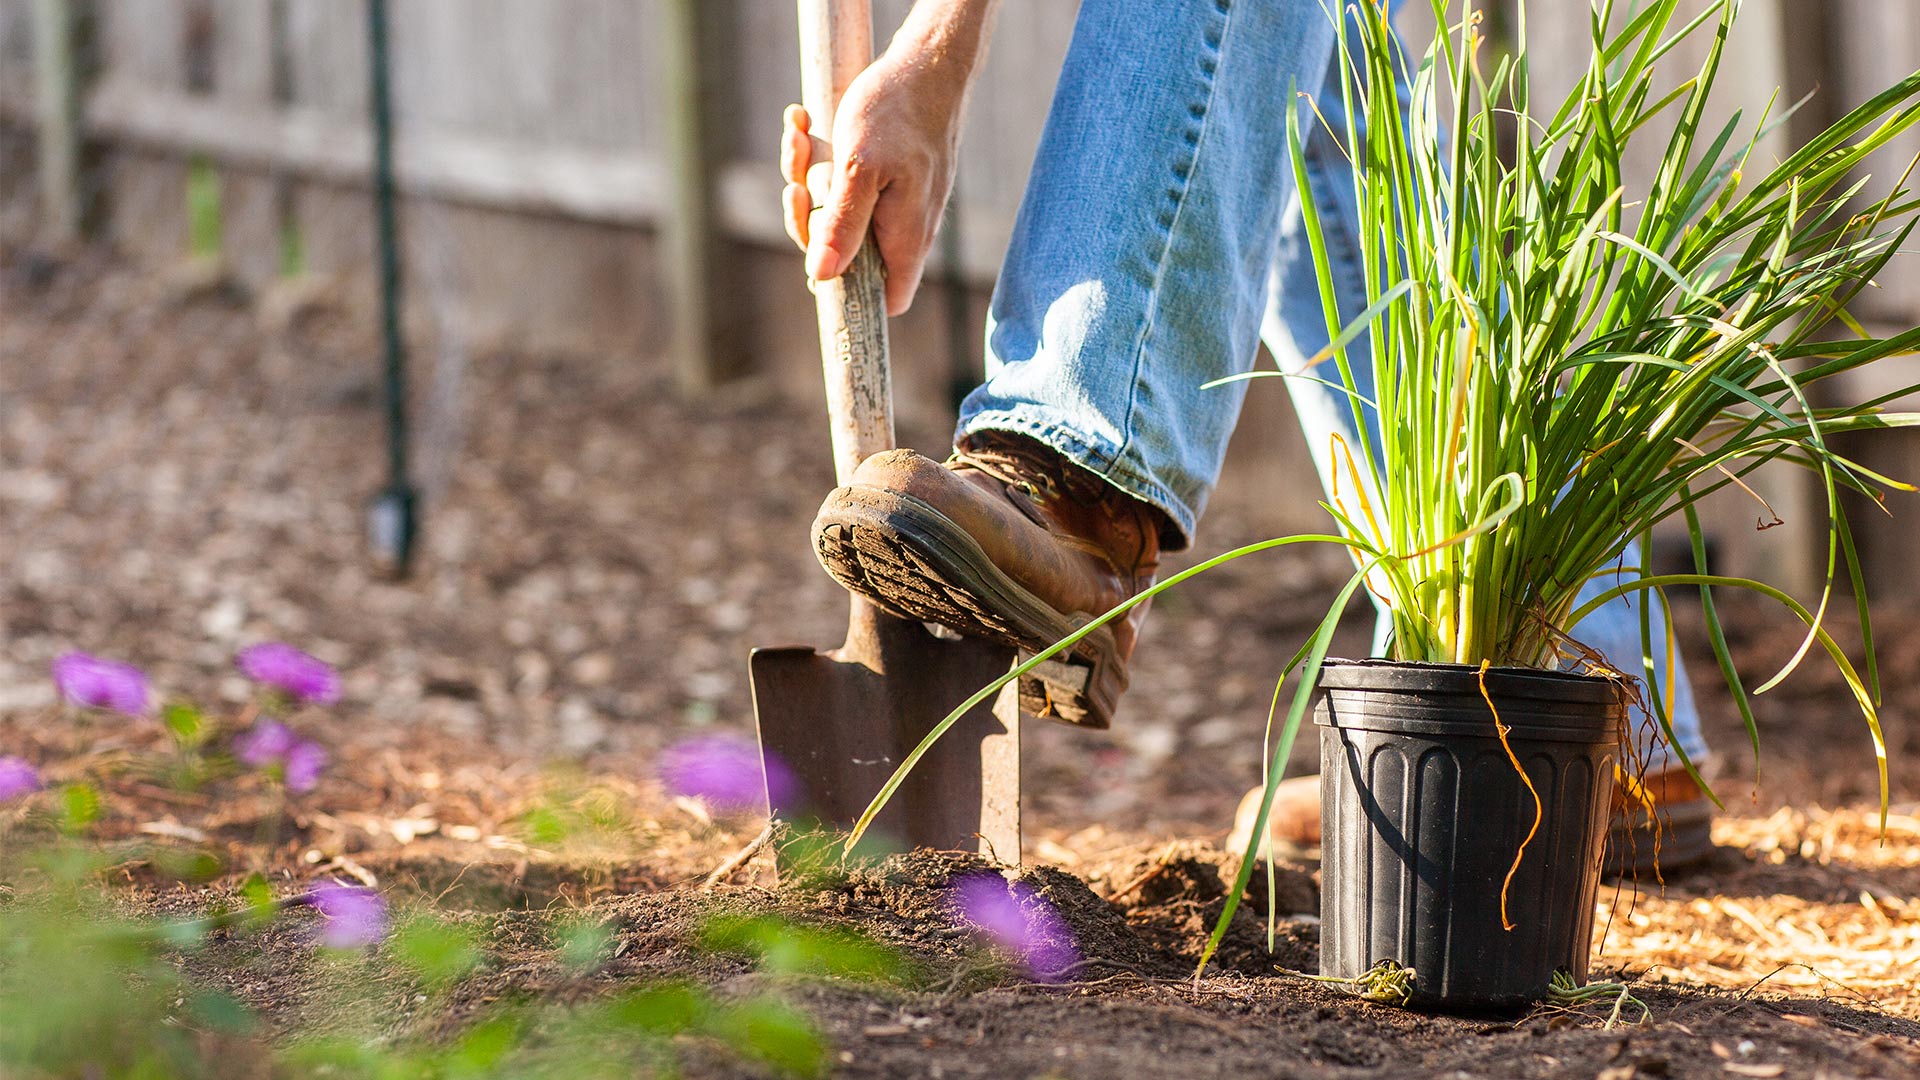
304 764
728 772
1018 919
270 744
17 778
94 683
266 743
351 916
301 677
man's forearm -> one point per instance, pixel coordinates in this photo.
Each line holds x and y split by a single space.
947 35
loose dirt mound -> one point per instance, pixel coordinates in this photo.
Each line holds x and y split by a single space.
907 901
1172 896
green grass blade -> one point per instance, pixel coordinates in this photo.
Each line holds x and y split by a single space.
1277 765
912 759
1717 639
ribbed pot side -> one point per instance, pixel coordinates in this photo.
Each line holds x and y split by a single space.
1424 812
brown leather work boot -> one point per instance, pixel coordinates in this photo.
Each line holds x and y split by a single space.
1675 832
1008 541
1678 832
1293 824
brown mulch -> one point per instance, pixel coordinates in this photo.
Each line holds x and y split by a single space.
177 481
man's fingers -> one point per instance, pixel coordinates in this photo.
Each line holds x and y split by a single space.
796 154
849 209
819 184
903 245
799 207
901 286
796 157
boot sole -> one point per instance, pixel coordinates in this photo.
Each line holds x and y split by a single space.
913 562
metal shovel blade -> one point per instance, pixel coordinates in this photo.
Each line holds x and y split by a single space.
844 720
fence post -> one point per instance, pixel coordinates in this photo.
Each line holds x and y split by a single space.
697 258
57 81
1784 59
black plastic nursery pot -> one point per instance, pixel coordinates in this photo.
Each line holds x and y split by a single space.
1424 813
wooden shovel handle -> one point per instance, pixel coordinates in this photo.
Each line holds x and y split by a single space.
836 44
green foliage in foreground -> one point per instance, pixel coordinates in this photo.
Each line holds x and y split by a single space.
95 985
89 990
633 1033
83 992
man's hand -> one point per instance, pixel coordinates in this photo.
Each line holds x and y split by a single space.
895 143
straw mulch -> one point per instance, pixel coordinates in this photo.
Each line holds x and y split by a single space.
1802 902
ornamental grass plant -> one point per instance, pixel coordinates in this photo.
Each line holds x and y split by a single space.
1562 359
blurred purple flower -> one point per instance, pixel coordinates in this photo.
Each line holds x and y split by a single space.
94 683
301 677
266 743
17 778
271 744
351 916
304 764
1017 918
726 771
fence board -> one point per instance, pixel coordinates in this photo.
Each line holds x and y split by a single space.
572 80
144 40
617 188
16 55
1881 44
1009 111
242 50
766 66
327 47
20 211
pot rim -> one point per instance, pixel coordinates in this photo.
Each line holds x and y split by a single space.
1428 677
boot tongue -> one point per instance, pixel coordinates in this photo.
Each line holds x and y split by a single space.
997 482
1032 467
1074 504
1048 477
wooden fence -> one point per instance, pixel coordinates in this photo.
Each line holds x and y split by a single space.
568 160
542 131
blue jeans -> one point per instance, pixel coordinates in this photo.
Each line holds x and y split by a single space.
1161 240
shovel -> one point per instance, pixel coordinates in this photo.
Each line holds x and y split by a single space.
842 721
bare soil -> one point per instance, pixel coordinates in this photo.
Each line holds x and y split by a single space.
180 476
1131 1006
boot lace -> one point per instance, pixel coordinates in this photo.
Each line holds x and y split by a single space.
1039 472
1043 475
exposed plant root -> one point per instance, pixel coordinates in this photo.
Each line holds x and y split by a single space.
1565 994
1539 811
740 858
1385 983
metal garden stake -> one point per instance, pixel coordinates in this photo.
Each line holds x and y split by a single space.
392 522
